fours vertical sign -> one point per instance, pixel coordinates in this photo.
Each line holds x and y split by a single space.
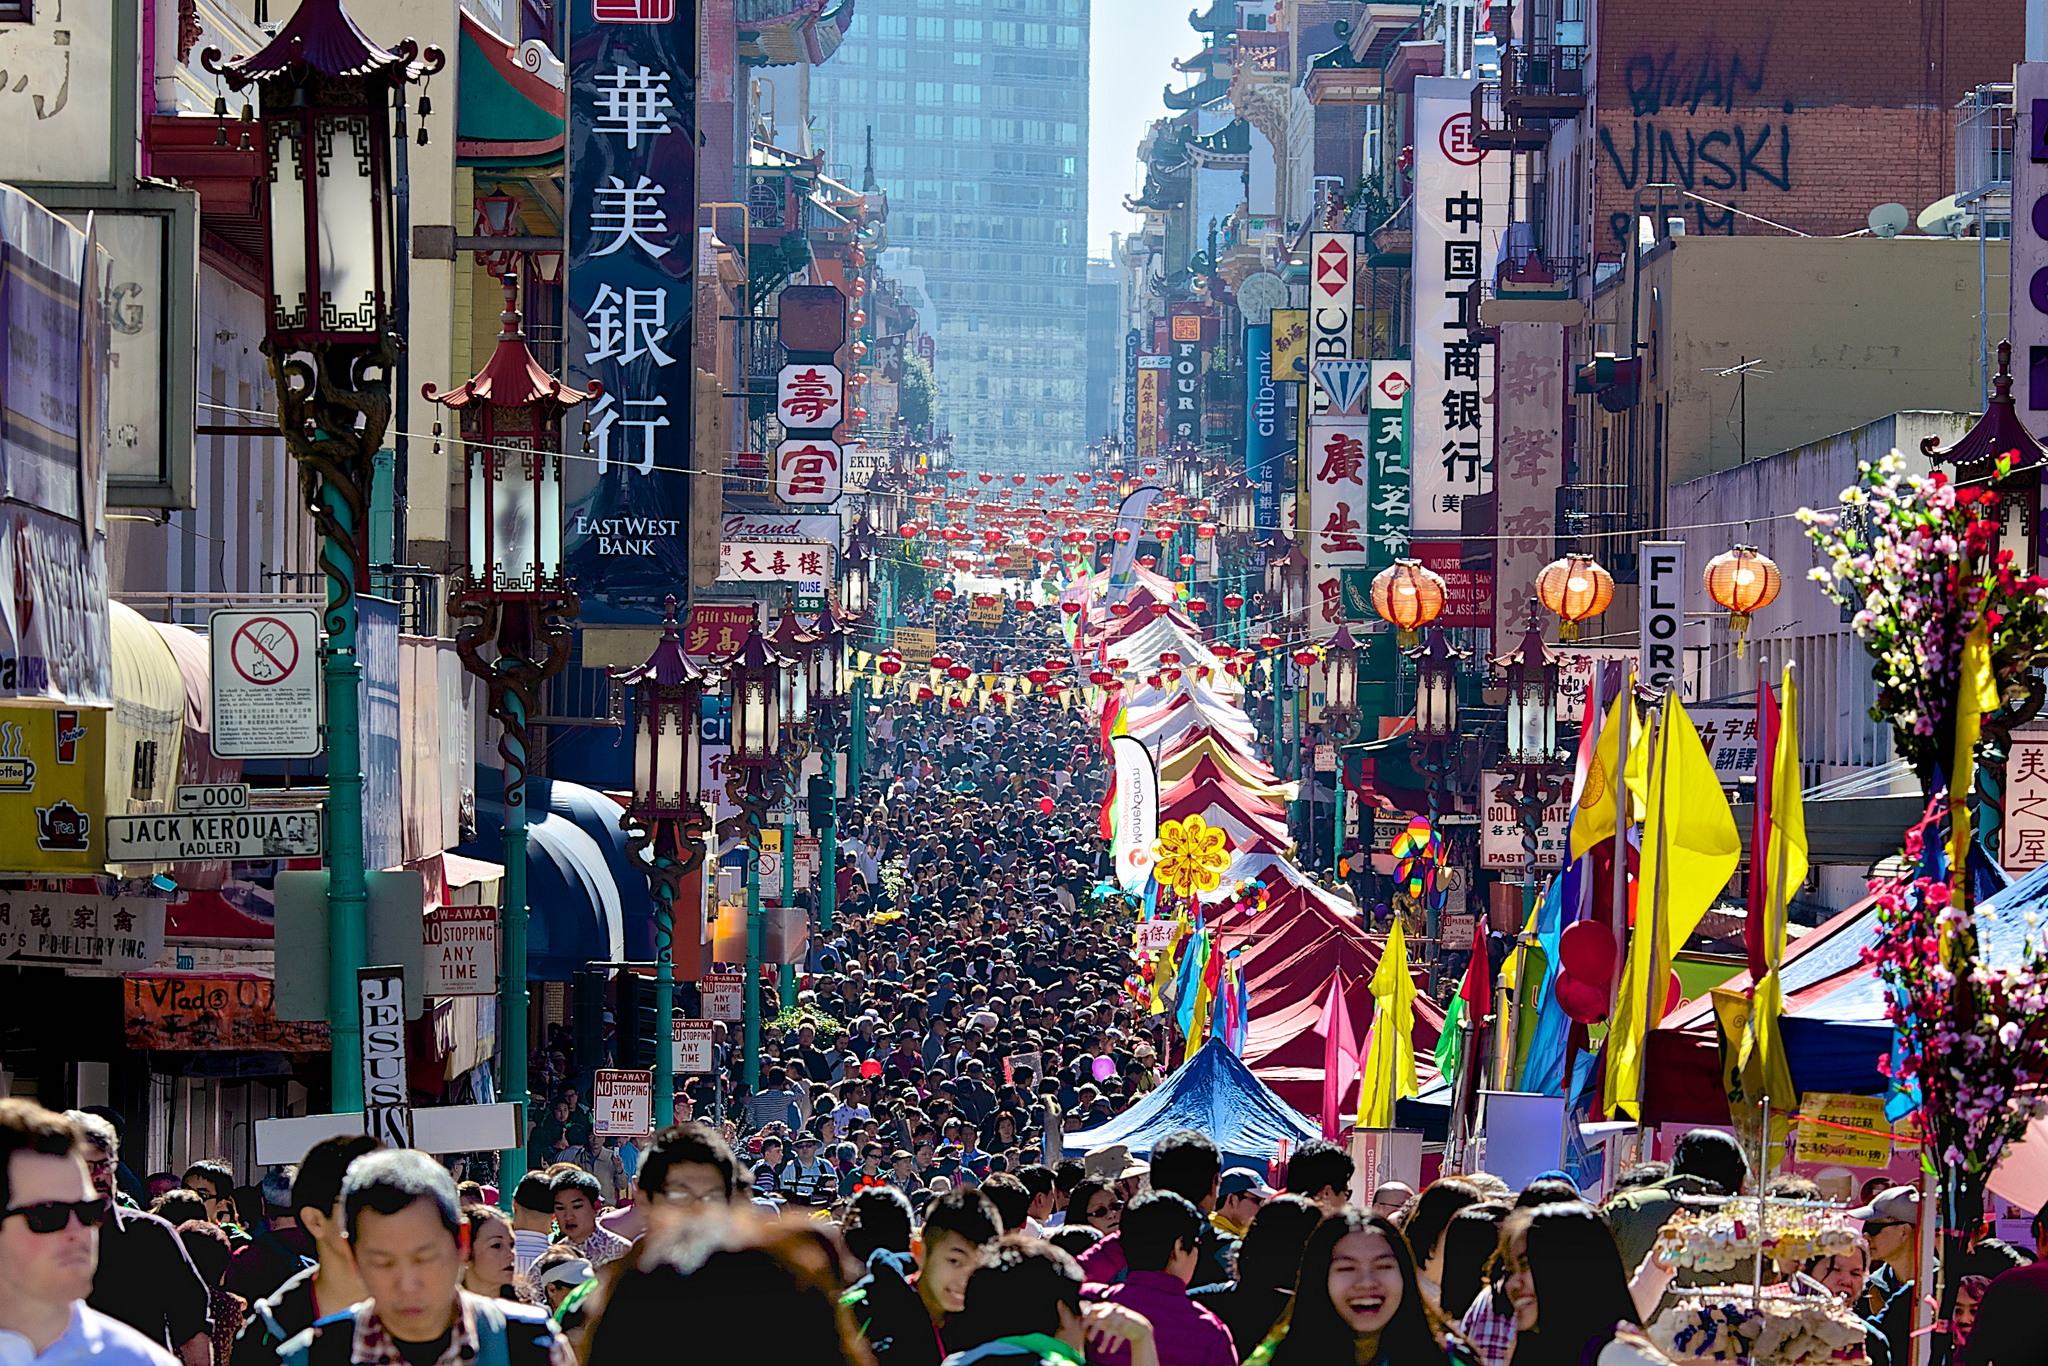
1663 613
387 1096
1184 402
631 262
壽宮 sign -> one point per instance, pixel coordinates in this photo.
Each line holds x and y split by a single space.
266 683
632 261
622 1103
1500 830
2023 840
1846 1131
810 396
462 951
87 936
807 471
724 996
230 835
387 1093
693 1048
1662 566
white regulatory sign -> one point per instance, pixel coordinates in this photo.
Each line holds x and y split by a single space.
266 683
235 835
692 1047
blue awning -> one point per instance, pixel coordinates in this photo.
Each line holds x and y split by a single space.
597 816
575 915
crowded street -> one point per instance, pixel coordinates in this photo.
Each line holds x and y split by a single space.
1023 683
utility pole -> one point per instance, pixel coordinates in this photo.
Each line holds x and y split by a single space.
1742 371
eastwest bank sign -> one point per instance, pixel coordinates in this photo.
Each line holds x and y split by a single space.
624 535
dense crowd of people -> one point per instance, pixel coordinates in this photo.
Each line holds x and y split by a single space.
1177 1261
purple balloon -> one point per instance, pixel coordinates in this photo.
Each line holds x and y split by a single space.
1103 1068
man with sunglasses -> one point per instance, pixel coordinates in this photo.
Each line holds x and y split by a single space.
145 1277
50 1217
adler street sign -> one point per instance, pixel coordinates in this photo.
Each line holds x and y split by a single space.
230 835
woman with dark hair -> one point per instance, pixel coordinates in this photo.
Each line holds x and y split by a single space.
1567 1283
1357 1301
487 1268
1096 1204
1268 1262
1469 1244
1424 1220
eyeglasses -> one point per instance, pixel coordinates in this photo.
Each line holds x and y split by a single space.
51 1216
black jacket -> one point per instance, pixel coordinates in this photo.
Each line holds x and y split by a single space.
886 1308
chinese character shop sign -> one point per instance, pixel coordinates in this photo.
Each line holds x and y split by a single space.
1184 402
631 211
1459 210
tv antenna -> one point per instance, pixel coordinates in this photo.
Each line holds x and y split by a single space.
1741 371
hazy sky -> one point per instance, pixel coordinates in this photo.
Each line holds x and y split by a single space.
1132 47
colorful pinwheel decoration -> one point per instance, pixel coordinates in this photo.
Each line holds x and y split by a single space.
1192 855
1421 852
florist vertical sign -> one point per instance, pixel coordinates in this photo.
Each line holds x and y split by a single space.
631 220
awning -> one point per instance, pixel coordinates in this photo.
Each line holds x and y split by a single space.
196 761
574 905
148 721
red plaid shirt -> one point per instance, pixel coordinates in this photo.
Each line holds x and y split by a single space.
373 1345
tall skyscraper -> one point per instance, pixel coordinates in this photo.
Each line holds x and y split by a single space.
980 116
1105 351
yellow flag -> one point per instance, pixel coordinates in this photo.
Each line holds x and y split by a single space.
1389 1071
1594 819
1976 693
1690 847
1767 1071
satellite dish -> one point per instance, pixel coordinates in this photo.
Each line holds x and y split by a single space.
1889 220
1943 218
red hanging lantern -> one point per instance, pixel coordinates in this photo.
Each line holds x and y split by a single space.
1119 609
1148 561
1101 678
1269 641
1305 656
984 599
1026 606
942 595
1071 608
1198 605
1039 676
957 703
1233 601
890 667
939 661
1160 609
924 692
1083 478
984 476
1186 560
932 562
1122 535
1206 531
1151 470
959 673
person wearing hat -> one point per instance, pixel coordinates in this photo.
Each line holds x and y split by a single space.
806 1179
1240 1193
1891 1224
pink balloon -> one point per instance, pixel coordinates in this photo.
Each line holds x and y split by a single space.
871 1068
1045 806
1582 1001
1102 1069
1586 950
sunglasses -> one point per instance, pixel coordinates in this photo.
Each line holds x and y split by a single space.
52 1215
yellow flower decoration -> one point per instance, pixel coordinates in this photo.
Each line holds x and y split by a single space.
1192 855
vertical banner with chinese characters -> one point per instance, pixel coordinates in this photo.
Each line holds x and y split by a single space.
1529 390
631 211
1264 431
2023 838
1184 398
1152 382
1338 468
1458 216
1387 404
1131 390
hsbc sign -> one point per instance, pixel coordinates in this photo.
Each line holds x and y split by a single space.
1331 300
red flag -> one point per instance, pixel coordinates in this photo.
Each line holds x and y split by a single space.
1340 1058
1755 925
1477 988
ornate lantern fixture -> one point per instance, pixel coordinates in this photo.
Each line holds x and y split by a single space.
1340 674
753 684
799 680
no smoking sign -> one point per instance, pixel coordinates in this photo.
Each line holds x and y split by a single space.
266 683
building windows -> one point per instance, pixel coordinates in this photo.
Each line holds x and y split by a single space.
931 92
967 30
967 130
1070 133
967 59
891 26
891 92
967 94
1038 35
890 59
930 126
1070 35
930 30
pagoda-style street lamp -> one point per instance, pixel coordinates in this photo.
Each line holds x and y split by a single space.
1535 781
1433 744
325 93
667 821
841 701
512 606
756 684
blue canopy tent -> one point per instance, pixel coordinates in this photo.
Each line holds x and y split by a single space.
576 914
1215 1093
1834 1023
